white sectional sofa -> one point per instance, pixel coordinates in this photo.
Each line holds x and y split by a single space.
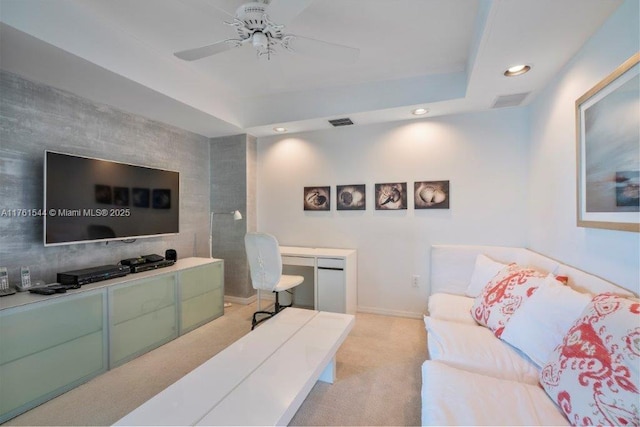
554 346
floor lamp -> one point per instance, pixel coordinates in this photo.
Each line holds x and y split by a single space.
236 216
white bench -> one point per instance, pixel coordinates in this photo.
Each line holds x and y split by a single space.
262 378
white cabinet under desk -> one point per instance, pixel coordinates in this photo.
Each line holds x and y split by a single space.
331 277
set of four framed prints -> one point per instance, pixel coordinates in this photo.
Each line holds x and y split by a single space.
387 196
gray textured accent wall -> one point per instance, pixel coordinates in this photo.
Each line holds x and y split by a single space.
233 186
252 183
34 118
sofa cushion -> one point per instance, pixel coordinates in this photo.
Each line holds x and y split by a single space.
476 349
456 308
455 397
538 261
539 325
594 375
452 267
504 294
484 270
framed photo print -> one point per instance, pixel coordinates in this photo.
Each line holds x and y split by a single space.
431 194
608 151
317 198
392 196
351 197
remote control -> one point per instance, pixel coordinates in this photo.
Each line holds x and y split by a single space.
42 291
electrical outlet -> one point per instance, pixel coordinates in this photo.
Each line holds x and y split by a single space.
415 281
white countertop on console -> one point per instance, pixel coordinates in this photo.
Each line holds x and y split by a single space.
23 298
315 252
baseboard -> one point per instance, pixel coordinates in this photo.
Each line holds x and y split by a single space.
386 312
240 300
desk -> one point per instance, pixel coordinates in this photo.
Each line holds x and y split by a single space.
333 274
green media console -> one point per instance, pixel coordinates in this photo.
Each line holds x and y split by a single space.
51 344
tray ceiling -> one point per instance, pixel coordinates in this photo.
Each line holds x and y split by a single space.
445 55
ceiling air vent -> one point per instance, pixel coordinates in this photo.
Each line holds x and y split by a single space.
341 122
510 100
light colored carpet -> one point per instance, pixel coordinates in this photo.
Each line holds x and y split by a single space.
378 376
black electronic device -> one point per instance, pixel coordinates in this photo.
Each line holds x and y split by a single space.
84 201
153 258
151 266
84 276
133 261
171 255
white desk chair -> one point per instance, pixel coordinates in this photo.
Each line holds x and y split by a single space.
265 265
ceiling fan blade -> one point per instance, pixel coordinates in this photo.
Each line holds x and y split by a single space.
282 12
204 51
227 7
324 50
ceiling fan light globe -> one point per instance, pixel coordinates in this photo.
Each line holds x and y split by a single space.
259 41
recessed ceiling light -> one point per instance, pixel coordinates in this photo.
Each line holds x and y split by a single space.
420 111
517 70
280 129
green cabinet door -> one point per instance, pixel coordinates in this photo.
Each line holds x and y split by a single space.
143 316
50 347
201 295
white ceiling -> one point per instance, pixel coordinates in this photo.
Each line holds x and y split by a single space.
446 55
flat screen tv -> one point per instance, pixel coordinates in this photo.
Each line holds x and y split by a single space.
88 199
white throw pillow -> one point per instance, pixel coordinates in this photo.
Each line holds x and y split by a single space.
539 325
484 270
455 308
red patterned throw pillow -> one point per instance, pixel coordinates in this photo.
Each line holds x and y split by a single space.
594 375
502 296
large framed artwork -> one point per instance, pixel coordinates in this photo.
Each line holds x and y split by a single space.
608 151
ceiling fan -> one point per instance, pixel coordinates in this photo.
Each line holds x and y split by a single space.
261 25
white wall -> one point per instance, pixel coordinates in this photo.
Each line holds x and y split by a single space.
613 255
482 155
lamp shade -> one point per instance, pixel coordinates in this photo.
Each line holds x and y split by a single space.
236 216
